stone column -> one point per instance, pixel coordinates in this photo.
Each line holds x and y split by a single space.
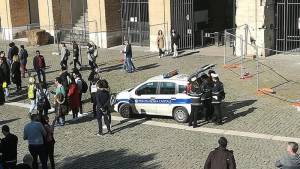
104 22
258 16
55 14
159 19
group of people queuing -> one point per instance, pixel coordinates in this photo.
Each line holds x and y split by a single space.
207 93
12 69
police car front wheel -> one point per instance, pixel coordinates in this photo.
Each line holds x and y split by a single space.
181 115
125 110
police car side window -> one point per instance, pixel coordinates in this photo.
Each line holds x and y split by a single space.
181 89
167 88
147 89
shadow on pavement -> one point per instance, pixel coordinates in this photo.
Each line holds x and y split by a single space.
128 125
150 66
8 121
110 159
231 108
187 54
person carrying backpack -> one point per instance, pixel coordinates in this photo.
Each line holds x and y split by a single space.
43 104
93 78
81 85
23 60
64 55
92 55
39 66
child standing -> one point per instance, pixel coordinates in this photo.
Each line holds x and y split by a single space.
32 94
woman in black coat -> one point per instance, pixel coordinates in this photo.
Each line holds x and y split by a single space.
16 72
5 69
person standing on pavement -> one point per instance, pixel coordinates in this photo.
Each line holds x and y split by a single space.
6 73
160 43
80 82
23 60
49 139
35 133
60 102
175 42
291 160
93 78
8 148
12 51
74 99
218 95
39 66
220 158
43 103
206 95
31 93
16 73
193 89
103 101
65 77
92 56
64 55
76 55
128 57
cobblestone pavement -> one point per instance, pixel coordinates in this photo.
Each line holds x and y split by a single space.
143 146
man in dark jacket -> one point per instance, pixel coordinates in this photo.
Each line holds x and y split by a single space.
39 66
76 54
12 51
291 160
23 60
220 158
8 148
6 71
206 96
65 77
174 41
103 101
218 95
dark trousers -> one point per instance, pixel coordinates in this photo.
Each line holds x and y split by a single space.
23 69
94 109
106 121
75 112
218 112
207 109
63 63
172 46
2 96
41 152
75 62
80 108
160 52
50 152
92 64
41 72
9 165
43 112
194 116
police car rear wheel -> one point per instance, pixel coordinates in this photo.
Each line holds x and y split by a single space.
180 115
125 110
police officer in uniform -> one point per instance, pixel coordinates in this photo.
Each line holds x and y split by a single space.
218 95
194 91
206 96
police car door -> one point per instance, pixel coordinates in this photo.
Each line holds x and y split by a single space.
166 98
145 98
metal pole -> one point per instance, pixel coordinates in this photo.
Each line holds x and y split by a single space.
242 55
246 41
84 24
225 40
257 70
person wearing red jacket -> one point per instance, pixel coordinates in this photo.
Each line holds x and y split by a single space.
74 98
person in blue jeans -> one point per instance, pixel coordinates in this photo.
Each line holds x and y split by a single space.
128 57
35 133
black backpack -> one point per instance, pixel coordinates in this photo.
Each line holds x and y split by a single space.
84 87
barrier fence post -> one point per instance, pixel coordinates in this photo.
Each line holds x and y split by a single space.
225 40
257 70
242 53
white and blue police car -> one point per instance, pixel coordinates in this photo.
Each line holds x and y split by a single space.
163 95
